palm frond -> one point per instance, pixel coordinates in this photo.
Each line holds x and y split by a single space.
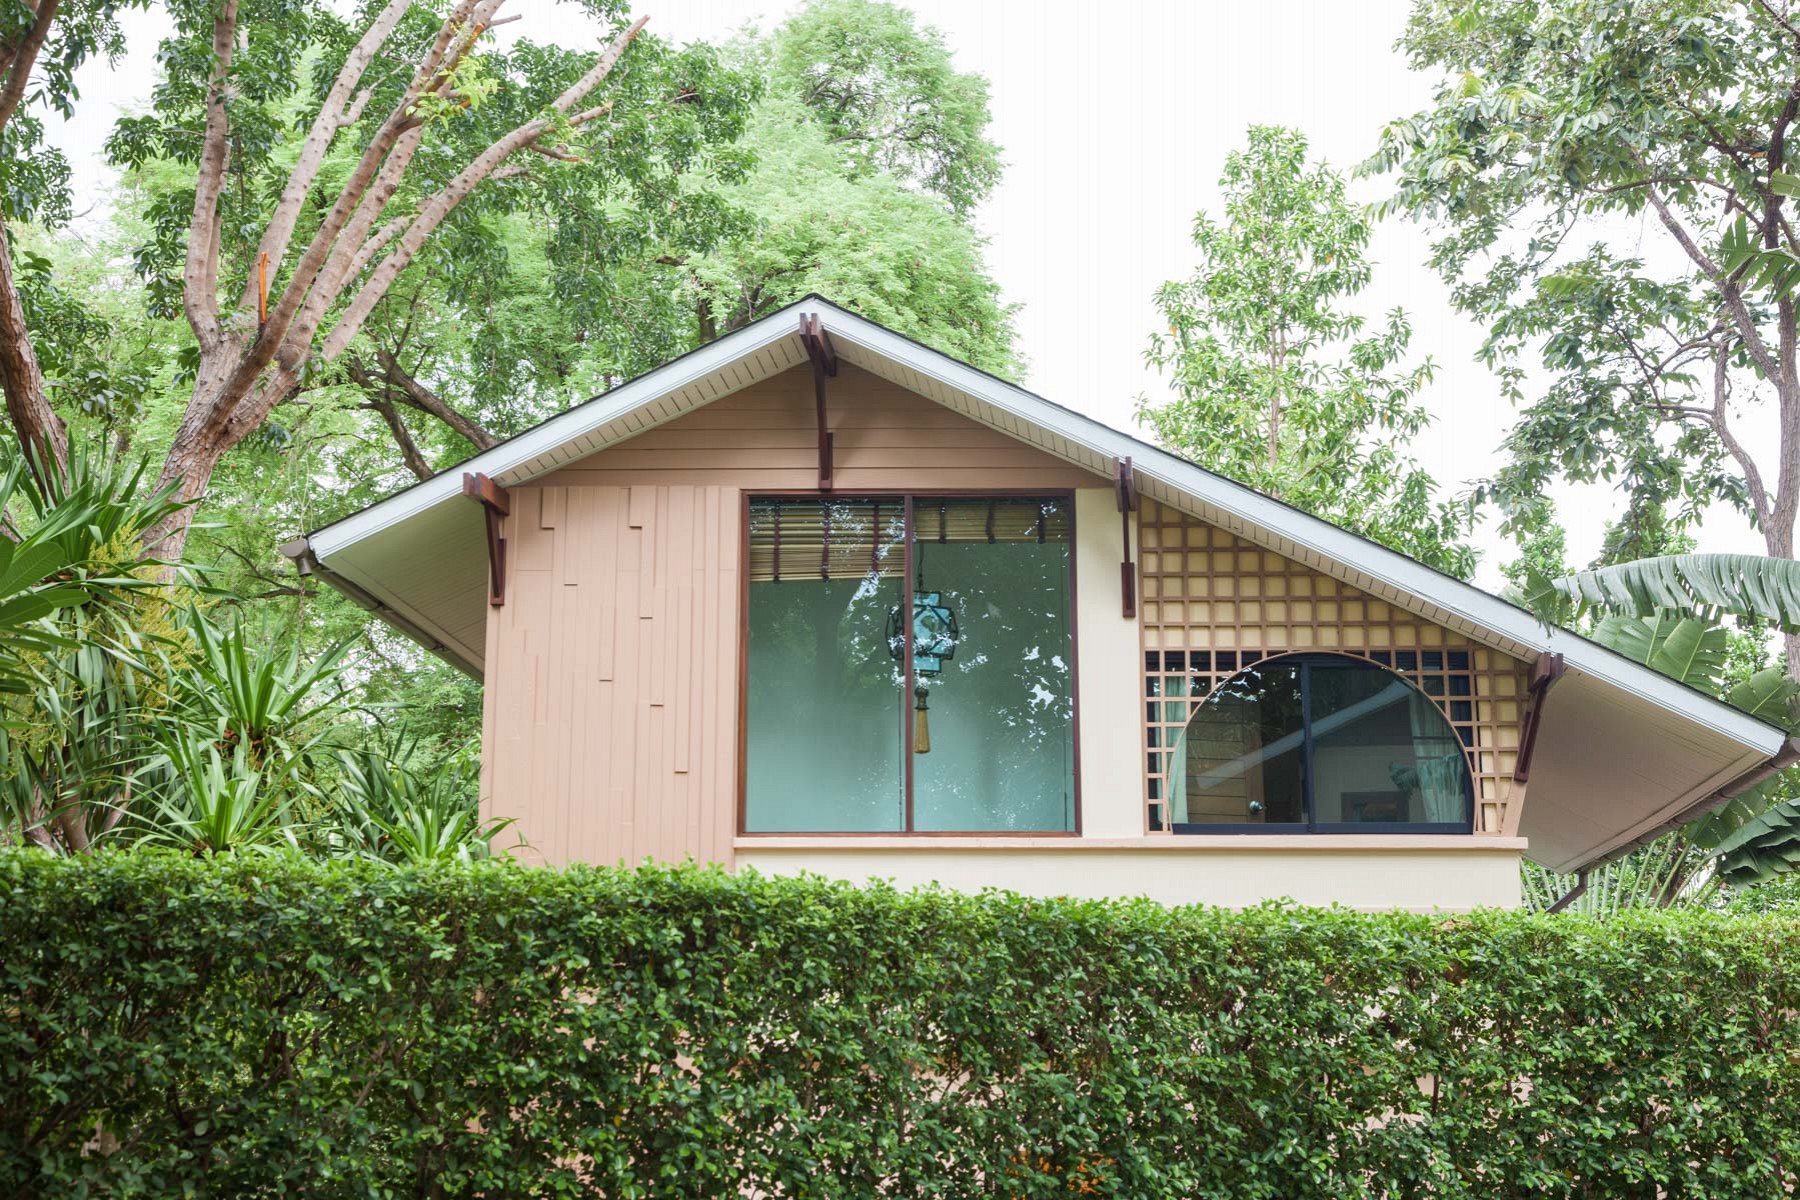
1707 586
1683 648
1762 847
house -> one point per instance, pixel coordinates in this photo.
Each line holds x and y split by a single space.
815 597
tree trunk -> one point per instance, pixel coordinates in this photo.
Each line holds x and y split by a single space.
189 466
41 432
1780 544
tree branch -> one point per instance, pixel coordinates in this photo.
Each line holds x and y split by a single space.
1720 421
1728 290
23 58
433 212
200 278
333 116
273 338
425 400
409 449
1779 19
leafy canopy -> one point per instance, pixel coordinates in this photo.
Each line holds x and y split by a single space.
1278 383
888 97
893 254
1608 182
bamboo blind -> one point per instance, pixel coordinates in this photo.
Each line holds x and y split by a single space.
1213 604
845 538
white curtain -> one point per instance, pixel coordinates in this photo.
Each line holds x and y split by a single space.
1440 775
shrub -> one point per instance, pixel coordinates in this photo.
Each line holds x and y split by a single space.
264 1025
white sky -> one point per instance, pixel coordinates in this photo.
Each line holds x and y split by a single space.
1115 121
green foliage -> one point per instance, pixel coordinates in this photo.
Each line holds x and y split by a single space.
866 242
1780 896
1708 586
1763 847
129 713
1670 872
1278 384
217 805
888 97
69 540
34 176
247 692
1543 552
1606 180
695 207
1680 647
869 152
253 1025
394 804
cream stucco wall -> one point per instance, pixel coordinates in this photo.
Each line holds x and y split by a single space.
1428 874
1109 675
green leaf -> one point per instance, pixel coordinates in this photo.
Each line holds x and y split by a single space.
1708 586
1683 648
1768 694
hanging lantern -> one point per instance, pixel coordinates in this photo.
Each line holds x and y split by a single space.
934 634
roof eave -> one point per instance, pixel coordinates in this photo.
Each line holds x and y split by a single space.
524 457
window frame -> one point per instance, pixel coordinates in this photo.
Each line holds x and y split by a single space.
1312 825
747 496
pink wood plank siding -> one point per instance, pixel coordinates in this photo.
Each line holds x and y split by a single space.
886 439
610 720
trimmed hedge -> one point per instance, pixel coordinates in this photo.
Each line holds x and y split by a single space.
269 1026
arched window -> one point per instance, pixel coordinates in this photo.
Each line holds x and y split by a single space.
1319 743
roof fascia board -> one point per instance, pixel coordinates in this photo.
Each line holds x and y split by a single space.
1321 537
558 431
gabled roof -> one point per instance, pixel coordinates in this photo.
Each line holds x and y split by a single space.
418 559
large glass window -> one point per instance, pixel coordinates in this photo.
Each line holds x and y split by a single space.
1000 712
980 736
1321 743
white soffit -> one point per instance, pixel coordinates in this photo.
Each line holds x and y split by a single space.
394 551
1611 767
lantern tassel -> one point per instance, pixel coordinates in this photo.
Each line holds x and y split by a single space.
921 724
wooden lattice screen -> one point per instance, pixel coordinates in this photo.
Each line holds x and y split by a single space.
1213 604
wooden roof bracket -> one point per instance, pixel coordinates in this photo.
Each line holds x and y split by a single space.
495 503
1545 672
824 363
1126 485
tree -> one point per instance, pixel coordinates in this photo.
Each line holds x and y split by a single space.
1543 554
322 249
890 253
871 152
1277 383
1554 124
46 40
888 98
840 153
700 189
